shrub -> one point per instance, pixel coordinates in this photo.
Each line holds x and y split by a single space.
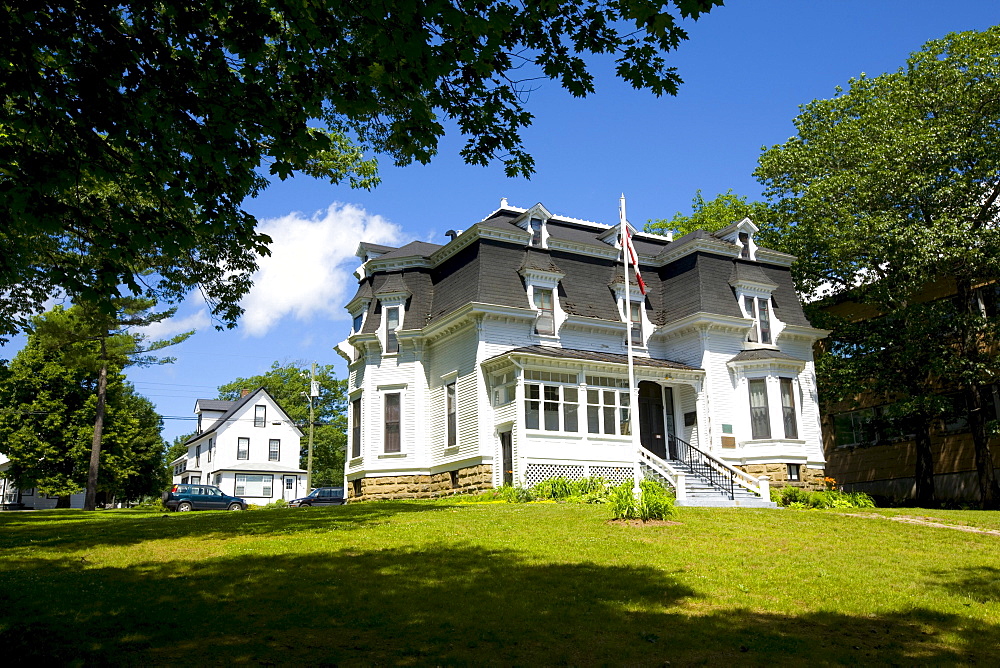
585 490
655 502
796 497
280 503
152 504
506 493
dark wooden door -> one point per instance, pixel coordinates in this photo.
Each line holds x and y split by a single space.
652 433
507 457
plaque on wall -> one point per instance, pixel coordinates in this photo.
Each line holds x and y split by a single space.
729 441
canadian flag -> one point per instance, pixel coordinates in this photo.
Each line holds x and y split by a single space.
633 258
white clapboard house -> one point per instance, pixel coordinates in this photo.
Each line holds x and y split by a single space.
248 448
500 358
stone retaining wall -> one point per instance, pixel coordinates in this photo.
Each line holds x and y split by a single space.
809 478
469 480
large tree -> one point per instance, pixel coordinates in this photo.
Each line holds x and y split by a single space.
288 383
893 184
50 403
131 133
105 337
710 215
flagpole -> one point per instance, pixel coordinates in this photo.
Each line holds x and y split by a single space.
633 410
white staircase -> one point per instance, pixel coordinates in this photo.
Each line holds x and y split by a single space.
700 479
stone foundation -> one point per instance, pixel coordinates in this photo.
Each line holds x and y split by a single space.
809 478
469 480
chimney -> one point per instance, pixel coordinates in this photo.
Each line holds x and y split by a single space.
452 234
244 393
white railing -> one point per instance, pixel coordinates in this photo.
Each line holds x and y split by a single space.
675 478
687 452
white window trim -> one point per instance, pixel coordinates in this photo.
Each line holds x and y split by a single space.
635 295
538 212
383 390
776 325
450 378
357 395
397 303
731 234
775 415
536 281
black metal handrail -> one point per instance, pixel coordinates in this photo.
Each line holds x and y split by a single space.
702 466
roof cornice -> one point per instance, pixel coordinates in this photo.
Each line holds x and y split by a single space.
675 252
803 333
703 319
769 256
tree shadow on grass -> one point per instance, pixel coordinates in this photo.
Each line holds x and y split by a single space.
977 584
440 605
79 530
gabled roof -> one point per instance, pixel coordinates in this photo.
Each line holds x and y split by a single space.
214 404
234 408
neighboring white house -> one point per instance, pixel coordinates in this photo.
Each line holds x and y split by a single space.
249 448
12 498
499 358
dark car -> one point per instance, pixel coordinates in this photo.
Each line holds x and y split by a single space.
321 496
200 497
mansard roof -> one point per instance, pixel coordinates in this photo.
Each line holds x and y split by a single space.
482 265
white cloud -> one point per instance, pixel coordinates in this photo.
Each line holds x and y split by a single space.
309 271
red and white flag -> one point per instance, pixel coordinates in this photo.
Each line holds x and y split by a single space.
633 258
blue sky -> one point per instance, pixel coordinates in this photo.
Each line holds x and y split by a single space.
747 67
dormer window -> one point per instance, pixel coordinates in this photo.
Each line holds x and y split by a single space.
545 322
359 320
535 227
635 323
744 245
758 310
391 325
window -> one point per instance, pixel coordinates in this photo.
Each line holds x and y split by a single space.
536 232
180 467
760 420
195 480
635 318
259 416
359 320
209 453
551 407
449 393
745 242
289 483
607 412
391 325
793 471
758 310
254 485
218 479
273 450
197 455
356 428
855 428
545 323
504 388
788 408
242 448
391 442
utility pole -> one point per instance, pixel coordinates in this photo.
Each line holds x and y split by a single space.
313 393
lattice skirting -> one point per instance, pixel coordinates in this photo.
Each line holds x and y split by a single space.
536 473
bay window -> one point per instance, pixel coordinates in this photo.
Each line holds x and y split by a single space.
760 419
788 408
391 440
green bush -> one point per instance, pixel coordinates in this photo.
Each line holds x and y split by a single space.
655 502
507 493
153 504
585 490
280 503
796 497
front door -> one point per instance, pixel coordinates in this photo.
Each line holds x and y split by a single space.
288 488
652 433
507 457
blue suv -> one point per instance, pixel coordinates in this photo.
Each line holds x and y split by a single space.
200 497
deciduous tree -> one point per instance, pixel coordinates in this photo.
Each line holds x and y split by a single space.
711 215
894 183
131 133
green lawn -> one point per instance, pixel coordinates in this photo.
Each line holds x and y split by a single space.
515 584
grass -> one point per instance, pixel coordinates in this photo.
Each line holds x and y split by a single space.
418 583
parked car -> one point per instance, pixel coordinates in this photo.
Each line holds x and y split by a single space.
200 497
321 496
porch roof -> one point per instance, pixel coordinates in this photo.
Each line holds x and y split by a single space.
592 356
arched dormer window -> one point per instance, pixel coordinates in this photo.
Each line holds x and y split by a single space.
741 234
534 221
753 291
